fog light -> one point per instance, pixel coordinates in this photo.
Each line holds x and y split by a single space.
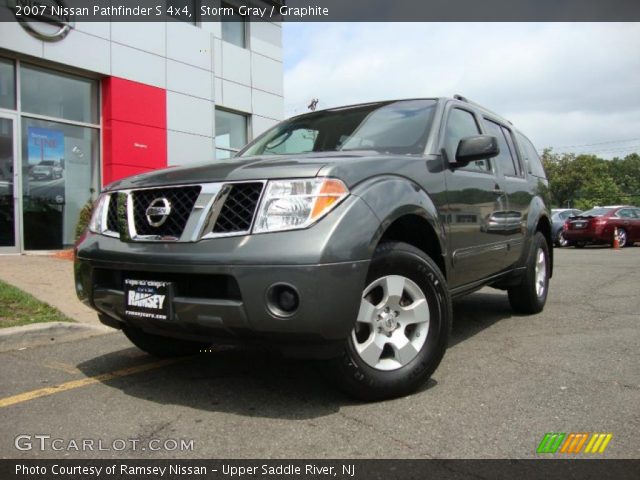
283 300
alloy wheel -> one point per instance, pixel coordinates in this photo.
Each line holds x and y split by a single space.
541 272
392 324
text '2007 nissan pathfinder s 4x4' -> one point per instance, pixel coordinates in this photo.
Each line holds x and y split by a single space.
340 234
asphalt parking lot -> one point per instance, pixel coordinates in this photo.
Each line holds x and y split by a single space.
505 382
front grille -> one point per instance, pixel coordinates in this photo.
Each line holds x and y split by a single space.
239 208
181 200
112 214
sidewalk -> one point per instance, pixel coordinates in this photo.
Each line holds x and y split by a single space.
49 280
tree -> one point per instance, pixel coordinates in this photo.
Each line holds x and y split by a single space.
583 181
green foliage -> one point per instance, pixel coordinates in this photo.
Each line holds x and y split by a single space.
583 181
84 218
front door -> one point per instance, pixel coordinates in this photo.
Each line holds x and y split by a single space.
9 185
476 206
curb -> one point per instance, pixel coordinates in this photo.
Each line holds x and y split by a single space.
14 338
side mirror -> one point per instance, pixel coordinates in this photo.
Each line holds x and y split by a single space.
475 148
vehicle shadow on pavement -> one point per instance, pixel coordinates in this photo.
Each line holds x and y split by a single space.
476 312
253 382
241 381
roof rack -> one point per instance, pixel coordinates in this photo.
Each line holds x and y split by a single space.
466 100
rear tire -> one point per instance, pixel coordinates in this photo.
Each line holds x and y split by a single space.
160 346
561 241
402 329
531 295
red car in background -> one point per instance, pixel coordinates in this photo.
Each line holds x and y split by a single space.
598 226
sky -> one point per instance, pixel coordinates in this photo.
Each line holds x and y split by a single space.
571 86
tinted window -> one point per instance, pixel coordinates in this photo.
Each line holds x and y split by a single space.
596 212
461 124
625 213
7 84
398 127
530 156
504 159
301 140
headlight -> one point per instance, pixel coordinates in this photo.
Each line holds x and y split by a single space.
293 204
98 223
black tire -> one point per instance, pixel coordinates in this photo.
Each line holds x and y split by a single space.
579 244
365 382
160 346
623 238
560 241
524 298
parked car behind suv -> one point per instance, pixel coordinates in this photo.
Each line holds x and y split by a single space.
341 234
600 224
558 217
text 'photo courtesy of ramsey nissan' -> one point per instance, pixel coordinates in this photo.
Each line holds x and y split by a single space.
313 240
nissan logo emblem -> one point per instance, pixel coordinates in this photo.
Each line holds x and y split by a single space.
44 19
158 211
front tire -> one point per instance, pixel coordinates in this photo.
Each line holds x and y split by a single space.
530 295
159 346
622 238
402 329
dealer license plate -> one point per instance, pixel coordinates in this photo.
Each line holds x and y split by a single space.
147 299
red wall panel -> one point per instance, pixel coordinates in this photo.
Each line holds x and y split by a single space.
134 119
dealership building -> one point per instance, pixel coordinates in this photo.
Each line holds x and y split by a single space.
87 103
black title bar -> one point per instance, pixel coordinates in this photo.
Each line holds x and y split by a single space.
323 10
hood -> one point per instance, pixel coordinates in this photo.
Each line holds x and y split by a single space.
251 168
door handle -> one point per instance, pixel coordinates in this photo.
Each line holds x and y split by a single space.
497 190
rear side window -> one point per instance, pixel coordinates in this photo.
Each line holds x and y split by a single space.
504 159
461 124
530 155
626 213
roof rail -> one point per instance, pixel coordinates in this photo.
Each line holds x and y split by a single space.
466 100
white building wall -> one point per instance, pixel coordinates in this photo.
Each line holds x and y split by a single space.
196 67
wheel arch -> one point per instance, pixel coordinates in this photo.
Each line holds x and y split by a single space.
543 225
407 214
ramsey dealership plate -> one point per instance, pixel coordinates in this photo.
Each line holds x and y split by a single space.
147 299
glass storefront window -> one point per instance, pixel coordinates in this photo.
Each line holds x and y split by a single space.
231 133
54 94
59 169
7 84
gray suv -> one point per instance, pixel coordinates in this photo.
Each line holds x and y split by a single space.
341 234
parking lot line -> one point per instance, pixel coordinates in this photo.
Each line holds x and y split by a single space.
63 387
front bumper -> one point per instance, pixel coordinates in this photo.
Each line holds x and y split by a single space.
222 303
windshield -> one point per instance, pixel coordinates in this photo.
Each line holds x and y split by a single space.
596 212
394 127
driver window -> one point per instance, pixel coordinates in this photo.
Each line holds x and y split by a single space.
301 140
461 124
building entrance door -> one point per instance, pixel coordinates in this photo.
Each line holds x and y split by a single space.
9 185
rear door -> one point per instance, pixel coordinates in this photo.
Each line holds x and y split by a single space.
626 218
636 223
